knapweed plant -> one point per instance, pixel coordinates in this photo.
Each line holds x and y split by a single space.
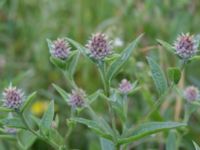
115 131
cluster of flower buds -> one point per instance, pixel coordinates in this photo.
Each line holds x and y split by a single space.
191 93
77 98
60 48
125 86
13 97
186 46
99 46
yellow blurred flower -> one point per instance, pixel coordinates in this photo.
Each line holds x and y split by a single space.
39 107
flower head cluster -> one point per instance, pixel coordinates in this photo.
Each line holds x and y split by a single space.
60 49
125 86
191 93
99 46
77 98
186 46
13 97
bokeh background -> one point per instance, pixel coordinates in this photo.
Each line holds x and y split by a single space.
24 57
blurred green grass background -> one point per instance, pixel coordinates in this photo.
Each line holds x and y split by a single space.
24 58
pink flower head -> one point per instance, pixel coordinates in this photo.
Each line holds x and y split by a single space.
13 97
186 46
99 46
191 93
125 86
60 48
77 98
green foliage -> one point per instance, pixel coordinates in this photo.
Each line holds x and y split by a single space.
174 75
120 61
46 121
25 139
158 76
28 101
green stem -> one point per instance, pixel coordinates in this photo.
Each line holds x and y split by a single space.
102 71
70 127
125 107
69 79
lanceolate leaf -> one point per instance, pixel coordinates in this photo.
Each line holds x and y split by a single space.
73 64
55 136
13 123
166 45
196 146
148 129
4 109
58 62
94 126
25 139
174 74
62 92
28 101
158 76
106 144
47 118
171 141
120 61
81 48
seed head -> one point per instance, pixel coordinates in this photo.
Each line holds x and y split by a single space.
186 46
60 49
99 46
191 93
125 86
13 97
77 98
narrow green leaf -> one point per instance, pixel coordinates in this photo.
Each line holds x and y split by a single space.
55 136
106 144
13 123
166 45
120 61
94 126
73 64
158 76
196 146
174 74
194 58
80 47
148 129
7 137
62 92
49 43
171 141
58 62
4 109
94 96
28 101
47 118
26 138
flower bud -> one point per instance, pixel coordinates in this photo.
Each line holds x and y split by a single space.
99 46
60 49
191 93
10 130
77 98
125 86
13 97
186 46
